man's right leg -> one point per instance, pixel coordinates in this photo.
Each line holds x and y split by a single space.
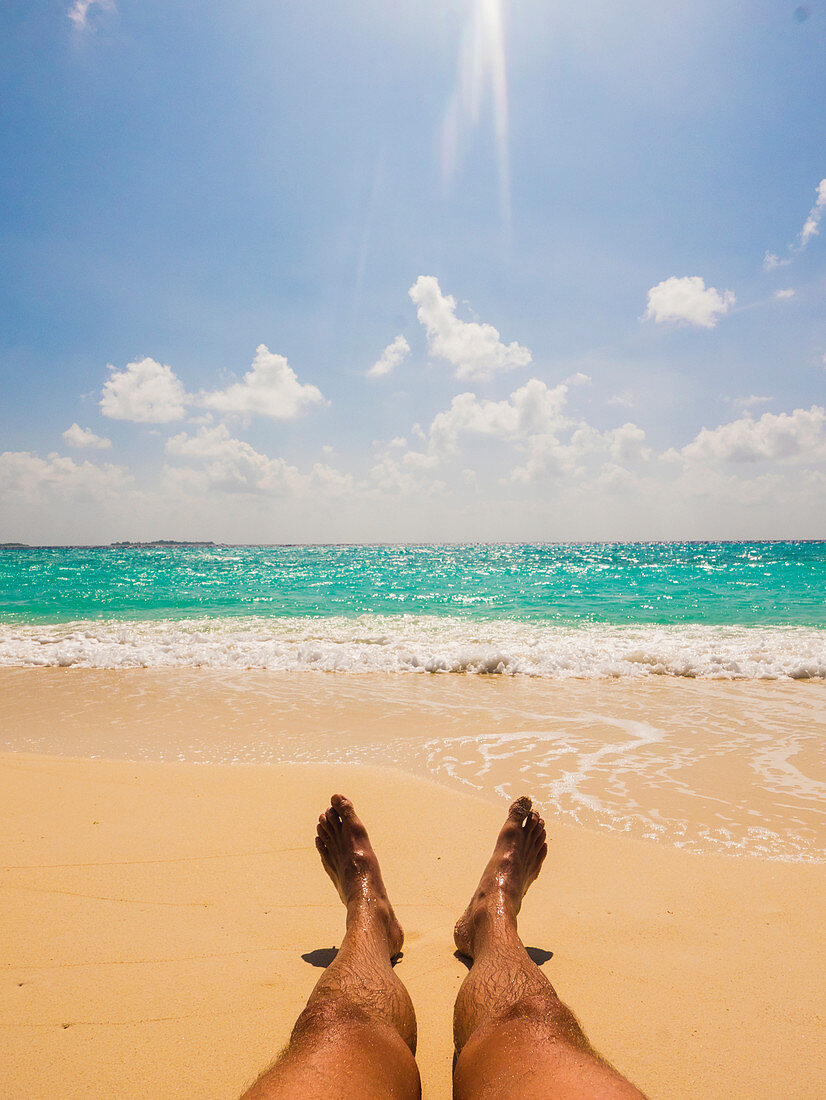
514 1036
357 1035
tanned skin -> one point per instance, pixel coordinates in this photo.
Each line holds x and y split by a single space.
514 1037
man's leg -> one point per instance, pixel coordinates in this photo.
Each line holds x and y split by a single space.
357 1035
514 1037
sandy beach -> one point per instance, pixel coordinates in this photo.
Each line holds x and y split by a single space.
163 923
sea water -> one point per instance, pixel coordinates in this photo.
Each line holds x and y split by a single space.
723 610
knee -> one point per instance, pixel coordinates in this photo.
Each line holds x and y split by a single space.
334 1017
547 1013
328 1016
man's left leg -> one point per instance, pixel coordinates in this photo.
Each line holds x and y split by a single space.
357 1035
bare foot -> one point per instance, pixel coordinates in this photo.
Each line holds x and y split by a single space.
517 857
348 858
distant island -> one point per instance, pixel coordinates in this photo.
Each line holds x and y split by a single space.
105 546
159 542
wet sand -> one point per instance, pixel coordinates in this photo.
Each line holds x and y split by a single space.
704 765
163 923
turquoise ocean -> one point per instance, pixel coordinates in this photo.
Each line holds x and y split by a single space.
726 610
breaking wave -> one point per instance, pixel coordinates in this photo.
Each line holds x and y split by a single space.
423 644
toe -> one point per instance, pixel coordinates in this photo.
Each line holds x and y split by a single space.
321 848
343 806
333 820
520 809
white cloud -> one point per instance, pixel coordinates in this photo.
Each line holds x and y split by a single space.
209 442
811 226
79 11
409 475
784 295
533 421
269 388
390 358
687 299
531 409
771 261
329 481
233 466
474 349
784 437
28 477
626 445
547 454
144 392
76 436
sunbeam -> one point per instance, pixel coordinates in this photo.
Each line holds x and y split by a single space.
481 70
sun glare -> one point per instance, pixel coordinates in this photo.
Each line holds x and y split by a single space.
481 78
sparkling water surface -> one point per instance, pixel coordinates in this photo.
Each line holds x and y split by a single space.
748 584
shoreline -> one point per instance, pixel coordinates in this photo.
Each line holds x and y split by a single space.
704 765
423 643
158 910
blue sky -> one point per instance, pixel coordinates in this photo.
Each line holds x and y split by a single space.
589 234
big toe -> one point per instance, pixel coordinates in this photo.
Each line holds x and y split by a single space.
520 809
343 806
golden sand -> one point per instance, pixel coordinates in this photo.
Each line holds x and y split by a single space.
163 923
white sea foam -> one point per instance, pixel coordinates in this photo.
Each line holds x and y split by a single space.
375 643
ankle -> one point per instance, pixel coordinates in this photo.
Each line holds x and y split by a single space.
492 915
370 917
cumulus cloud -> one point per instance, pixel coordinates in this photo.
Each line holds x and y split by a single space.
530 419
474 349
145 392
533 408
28 477
687 299
784 437
408 475
784 295
390 358
234 466
626 445
269 388
231 464
533 420
76 436
811 226
79 11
